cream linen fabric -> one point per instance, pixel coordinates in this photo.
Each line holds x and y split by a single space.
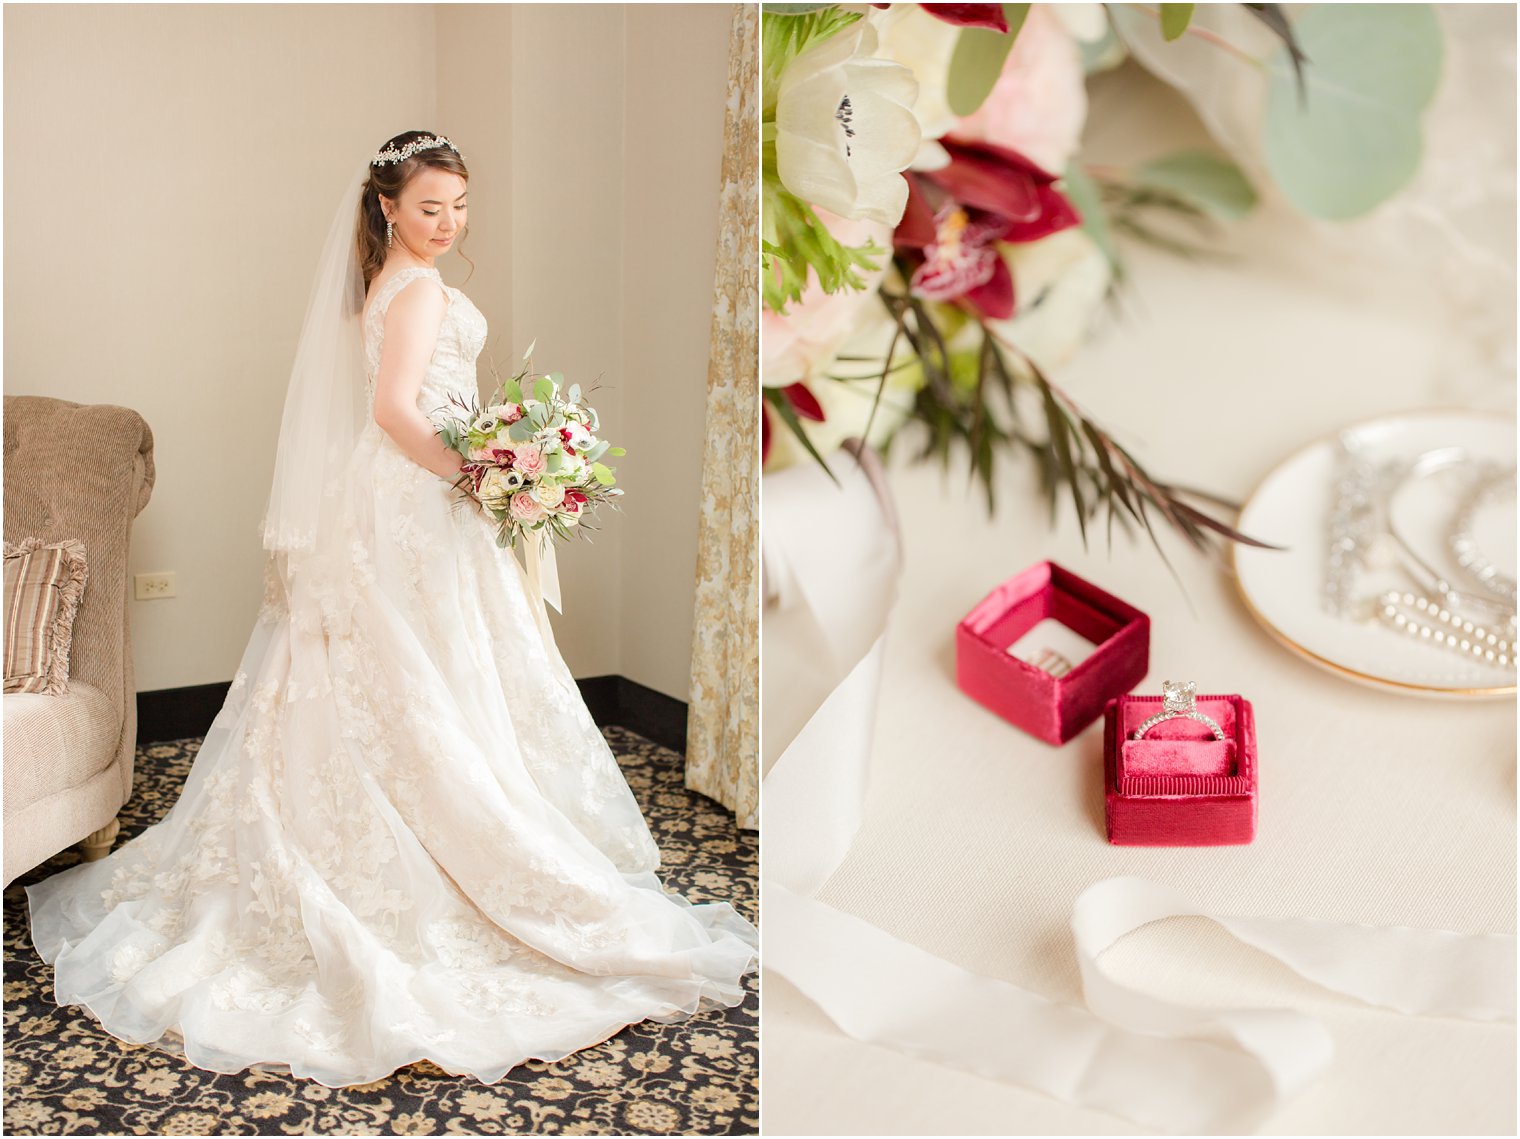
1374 808
80 724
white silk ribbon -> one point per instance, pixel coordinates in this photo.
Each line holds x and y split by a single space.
830 582
543 576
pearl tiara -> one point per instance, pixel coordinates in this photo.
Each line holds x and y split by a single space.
391 154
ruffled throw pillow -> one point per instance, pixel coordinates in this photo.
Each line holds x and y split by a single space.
44 582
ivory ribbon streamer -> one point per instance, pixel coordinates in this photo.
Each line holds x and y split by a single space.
830 583
543 575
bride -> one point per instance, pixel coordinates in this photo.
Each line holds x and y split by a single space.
403 837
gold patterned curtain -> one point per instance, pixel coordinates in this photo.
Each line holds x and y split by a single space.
722 732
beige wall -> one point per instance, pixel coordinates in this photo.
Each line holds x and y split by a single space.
161 259
566 74
674 137
167 190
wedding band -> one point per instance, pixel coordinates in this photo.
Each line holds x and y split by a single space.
1178 701
1048 660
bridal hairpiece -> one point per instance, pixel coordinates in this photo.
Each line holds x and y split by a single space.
391 154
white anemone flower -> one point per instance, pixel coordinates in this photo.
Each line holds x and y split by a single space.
925 45
845 127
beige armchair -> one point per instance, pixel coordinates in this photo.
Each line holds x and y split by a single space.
68 759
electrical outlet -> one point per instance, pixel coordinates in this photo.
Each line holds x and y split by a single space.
151 586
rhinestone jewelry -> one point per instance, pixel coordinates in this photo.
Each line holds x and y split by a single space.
1489 487
1353 526
1178 701
1426 619
428 142
1048 660
390 227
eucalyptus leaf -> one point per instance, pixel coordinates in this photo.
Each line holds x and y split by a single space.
1355 140
1211 182
978 61
596 452
575 393
1089 202
1175 19
602 474
512 392
520 430
543 389
617 451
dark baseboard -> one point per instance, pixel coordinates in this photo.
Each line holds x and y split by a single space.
179 713
184 713
652 714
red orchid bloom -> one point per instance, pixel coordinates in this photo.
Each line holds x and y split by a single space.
803 401
957 214
988 16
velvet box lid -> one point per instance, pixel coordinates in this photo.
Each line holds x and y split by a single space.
1051 708
1179 786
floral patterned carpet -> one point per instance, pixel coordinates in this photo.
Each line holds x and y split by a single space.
64 1075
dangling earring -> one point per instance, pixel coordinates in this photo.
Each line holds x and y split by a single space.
389 228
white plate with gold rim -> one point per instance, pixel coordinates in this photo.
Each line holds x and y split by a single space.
1285 590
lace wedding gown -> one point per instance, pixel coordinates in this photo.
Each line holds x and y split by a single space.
403 837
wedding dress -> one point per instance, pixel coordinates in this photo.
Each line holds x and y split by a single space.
403 836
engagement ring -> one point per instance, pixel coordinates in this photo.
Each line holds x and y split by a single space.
1178 700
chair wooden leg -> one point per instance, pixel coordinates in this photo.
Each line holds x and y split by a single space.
98 844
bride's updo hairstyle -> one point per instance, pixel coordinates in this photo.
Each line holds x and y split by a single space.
390 178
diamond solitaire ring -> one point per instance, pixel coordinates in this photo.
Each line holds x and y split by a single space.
1178 700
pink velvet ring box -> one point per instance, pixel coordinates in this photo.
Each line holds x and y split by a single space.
1179 786
1051 708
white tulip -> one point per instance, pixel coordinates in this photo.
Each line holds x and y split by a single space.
845 128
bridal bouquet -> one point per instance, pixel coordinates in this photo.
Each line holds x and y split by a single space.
935 242
532 457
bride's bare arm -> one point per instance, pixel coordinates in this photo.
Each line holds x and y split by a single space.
411 332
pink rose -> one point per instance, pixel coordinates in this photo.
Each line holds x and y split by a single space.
529 459
1039 103
506 412
526 508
